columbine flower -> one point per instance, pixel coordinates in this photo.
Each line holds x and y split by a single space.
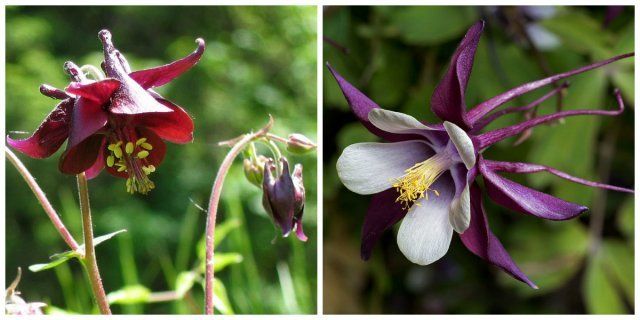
283 197
118 121
426 175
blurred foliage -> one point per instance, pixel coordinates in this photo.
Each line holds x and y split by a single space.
259 61
396 55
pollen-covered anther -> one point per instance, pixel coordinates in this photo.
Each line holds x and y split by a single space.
134 162
417 180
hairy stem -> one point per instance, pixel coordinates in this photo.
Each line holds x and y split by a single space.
42 198
237 145
89 250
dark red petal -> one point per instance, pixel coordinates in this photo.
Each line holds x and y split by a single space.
97 167
479 239
176 126
383 213
447 101
88 118
50 135
81 157
100 91
526 200
162 75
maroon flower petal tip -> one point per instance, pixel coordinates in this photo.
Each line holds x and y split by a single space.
485 107
53 92
97 167
49 136
479 239
159 76
299 232
447 101
100 92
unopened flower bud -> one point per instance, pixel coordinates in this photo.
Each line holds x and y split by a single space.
299 144
283 198
254 169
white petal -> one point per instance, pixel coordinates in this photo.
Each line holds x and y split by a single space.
371 167
460 211
463 144
425 232
394 122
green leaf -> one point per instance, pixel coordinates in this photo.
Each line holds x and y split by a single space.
53 310
549 253
57 258
185 281
60 258
133 294
223 229
580 32
625 218
221 299
445 23
618 265
600 295
222 260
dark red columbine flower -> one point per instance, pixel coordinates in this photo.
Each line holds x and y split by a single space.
283 197
118 121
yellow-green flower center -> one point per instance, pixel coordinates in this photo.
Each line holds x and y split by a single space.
417 180
132 161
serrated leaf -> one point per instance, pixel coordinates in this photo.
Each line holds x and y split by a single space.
133 294
184 282
221 299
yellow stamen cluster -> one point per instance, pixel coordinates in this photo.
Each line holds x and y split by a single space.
131 161
417 180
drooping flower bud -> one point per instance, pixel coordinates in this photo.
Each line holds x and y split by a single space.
254 169
283 199
15 305
299 144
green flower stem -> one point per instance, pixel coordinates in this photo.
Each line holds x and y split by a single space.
89 250
276 154
42 198
237 145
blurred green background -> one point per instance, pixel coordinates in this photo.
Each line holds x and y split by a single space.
258 61
396 55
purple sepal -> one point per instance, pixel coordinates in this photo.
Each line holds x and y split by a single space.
526 200
479 239
447 101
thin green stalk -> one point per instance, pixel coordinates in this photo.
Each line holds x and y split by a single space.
89 251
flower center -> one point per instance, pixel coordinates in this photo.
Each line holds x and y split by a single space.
417 180
131 158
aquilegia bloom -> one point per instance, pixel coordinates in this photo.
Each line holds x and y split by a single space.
118 121
426 174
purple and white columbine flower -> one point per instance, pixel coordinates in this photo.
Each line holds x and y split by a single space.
426 175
